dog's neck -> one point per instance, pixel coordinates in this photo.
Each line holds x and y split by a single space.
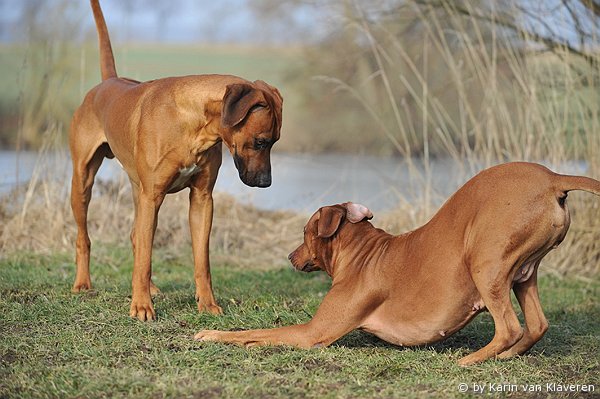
349 255
208 130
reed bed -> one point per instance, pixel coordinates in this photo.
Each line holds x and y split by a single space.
419 79
438 78
36 218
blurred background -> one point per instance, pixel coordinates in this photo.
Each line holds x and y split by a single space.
391 103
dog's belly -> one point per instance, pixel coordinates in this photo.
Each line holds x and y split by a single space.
401 329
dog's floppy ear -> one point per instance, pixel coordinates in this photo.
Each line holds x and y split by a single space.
275 102
272 89
330 218
239 98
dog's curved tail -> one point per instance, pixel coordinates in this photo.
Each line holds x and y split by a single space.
107 60
568 183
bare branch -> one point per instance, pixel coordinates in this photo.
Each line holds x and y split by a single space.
553 42
592 5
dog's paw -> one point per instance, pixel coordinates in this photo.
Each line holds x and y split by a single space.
154 290
207 335
142 310
242 338
208 306
81 286
211 308
469 360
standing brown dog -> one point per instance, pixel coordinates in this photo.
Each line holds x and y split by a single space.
422 286
167 135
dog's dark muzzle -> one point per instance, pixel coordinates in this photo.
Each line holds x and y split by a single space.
260 178
307 266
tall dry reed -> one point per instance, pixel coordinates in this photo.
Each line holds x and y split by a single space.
457 87
435 79
36 217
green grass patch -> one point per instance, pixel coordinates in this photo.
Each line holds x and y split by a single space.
57 344
81 70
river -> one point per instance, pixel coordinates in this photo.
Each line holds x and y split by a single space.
301 182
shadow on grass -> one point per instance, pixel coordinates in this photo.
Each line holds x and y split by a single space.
567 328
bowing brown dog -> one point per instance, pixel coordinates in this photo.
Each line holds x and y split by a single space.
167 135
422 286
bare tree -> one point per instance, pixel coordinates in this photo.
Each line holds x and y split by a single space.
452 76
557 26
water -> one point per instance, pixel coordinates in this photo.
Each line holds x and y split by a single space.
306 182
301 182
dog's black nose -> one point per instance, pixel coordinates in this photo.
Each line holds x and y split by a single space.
264 180
261 180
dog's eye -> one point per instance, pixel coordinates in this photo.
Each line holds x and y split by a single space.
261 144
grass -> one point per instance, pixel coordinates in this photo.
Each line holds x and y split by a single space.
437 92
57 344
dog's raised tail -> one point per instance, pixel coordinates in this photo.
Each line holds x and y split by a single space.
107 60
568 183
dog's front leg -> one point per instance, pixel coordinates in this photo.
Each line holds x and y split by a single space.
201 216
304 336
343 310
145 226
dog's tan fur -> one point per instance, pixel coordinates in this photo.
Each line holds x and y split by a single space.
167 135
423 286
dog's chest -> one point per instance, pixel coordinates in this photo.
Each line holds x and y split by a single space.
183 178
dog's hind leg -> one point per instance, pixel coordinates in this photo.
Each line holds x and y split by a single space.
87 157
536 324
494 286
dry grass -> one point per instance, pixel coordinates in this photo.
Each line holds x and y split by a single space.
436 82
241 233
425 79
454 86
37 218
